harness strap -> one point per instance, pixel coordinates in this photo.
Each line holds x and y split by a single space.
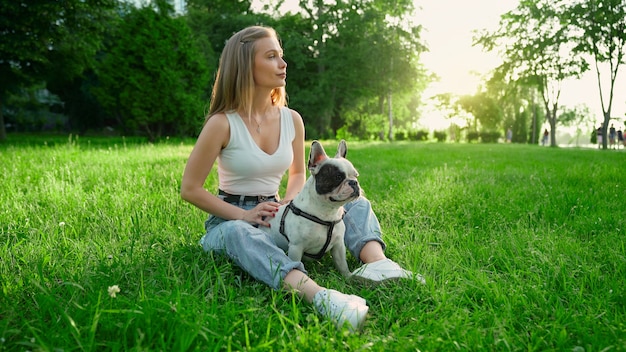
297 211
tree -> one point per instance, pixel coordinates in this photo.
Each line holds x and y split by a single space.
339 55
600 31
362 50
536 46
152 77
304 78
576 116
485 109
212 22
36 33
515 101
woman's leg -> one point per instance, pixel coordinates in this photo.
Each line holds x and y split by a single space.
254 251
251 249
302 284
363 228
338 307
363 239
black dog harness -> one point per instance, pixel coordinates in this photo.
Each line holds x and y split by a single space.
297 211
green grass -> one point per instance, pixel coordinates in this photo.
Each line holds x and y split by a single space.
523 249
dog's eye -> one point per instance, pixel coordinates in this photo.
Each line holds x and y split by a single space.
338 177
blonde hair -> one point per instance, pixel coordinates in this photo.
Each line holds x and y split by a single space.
234 84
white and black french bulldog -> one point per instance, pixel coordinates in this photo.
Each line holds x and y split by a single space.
312 223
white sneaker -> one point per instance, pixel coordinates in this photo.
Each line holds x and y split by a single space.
385 269
341 308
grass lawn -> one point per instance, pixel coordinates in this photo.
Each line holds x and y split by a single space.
523 249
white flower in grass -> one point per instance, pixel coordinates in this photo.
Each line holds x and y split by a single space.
113 290
62 223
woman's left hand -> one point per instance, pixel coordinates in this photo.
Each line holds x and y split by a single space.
262 211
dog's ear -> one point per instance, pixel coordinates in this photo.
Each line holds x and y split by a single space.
342 150
316 156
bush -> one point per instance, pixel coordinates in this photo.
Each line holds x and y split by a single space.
472 136
489 137
440 136
420 135
399 136
594 136
162 89
343 133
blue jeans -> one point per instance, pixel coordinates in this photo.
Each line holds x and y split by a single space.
255 252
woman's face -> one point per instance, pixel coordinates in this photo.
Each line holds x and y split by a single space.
270 70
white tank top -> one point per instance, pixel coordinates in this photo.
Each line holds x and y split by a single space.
245 169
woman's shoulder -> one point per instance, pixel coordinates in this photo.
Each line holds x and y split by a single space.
295 116
298 123
218 120
217 127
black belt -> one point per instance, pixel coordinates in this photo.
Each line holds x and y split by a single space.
234 198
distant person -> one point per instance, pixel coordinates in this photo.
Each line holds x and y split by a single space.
544 140
599 137
509 135
612 136
620 138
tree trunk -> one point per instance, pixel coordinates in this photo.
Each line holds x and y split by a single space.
3 131
553 130
534 136
390 118
605 129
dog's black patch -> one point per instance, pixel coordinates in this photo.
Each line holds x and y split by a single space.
328 178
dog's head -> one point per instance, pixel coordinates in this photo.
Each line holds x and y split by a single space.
335 178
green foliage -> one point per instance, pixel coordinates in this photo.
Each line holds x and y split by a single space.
484 108
332 51
472 136
516 100
343 133
594 136
344 57
575 116
535 38
31 110
517 256
152 77
47 40
419 135
483 136
600 31
399 136
440 136
358 52
212 22
520 127
490 136
37 34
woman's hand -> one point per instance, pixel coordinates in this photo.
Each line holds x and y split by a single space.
263 211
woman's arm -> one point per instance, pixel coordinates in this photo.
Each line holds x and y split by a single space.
212 139
297 170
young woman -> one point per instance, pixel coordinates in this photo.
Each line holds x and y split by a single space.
255 138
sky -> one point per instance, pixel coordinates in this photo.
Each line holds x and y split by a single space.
448 30
449 26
